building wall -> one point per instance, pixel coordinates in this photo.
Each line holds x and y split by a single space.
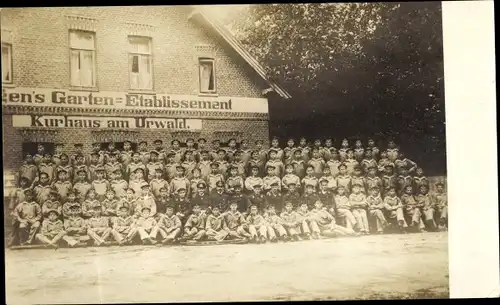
40 41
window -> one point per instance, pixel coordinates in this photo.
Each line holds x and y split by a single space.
82 58
140 62
207 75
6 63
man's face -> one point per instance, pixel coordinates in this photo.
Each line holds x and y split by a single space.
356 189
163 193
64 159
122 212
391 144
139 174
112 158
271 210
196 173
201 191
253 210
404 172
111 146
315 154
292 187
216 144
323 185
345 143
52 216
275 188
182 193
44 179
28 159
318 204
275 143
391 193
47 158
130 193
153 157
81 176
158 145
357 172
309 190
272 155
388 171
350 154
158 175
328 143
71 197
309 171
201 144
63 176
99 175
257 190
126 146
214 169
439 188
216 211
94 158
221 155
219 188
190 143
383 155
289 169
180 172
303 208
297 155
237 189
244 144
110 195
52 197
317 143
255 171
258 145
371 143
343 170
408 190
423 190
175 145
145 191
368 154
23 183
420 172
341 191
358 143
288 207
290 143
204 156
40 149
270 171
233 207
142 146
303 142
189 156
170 159
79 159
91 195
232 144
335 156
372 172
29 197
145 213
373 192
169 211
326 171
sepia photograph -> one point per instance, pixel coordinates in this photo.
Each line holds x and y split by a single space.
250 152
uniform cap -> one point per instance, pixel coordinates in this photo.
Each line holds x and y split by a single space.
179 167
143 142
258 141
159 170
272 150
99 169
342 165
204 151
28 191
163 189
274 183
189 139
174 141
291 183
271 167
117 171
201 185
389 165
219 184
123 207
158 142
62 170
254 166
232 139
297 150
257 185
144 184
170 206
127 141
170 154
214 164
153 152
237 153
139 169
53 211
216 141
145 208
357 184
220 149
80 170
202 139
310 185
181 189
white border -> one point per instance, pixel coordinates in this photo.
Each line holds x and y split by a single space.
469 63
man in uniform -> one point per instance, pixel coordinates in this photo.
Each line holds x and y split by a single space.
28 215
98 226
52 230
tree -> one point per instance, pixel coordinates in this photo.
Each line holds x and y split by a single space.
380 63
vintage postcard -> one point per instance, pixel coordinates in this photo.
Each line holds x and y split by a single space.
229 153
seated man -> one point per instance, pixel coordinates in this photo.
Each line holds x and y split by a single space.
291 221
322 222
275 224
28 215
257 225
52 230
169 225
146 226
215 225
194 228
235 223
122 229
75 227
98 226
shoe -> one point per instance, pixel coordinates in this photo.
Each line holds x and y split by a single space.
152 241
308 236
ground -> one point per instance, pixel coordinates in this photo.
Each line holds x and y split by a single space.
379 266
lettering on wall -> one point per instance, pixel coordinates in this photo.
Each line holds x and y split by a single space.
49 121
121 100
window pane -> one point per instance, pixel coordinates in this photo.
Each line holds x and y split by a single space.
140 45
207 76
145 74
6 63
135 64
82 40
75 67
86 68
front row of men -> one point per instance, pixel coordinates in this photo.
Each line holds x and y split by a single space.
196 221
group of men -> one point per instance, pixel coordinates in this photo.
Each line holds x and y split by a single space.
217 193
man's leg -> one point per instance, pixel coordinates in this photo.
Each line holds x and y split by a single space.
221 235
263 231
270 232
174 234
70 240
400 217
43 239
342 231
253 231
242 232
305 227
58 237
364 220
199 235
33 228
281 230
429 218
92 232
105 233
117 236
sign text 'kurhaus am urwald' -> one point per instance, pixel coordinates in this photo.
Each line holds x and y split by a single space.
63 121
121 100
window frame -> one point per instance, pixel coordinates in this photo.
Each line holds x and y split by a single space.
203 60
11 65
140 55
94 60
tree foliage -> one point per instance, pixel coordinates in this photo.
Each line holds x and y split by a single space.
380 63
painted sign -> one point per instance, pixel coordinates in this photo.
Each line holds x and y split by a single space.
121 100
50 121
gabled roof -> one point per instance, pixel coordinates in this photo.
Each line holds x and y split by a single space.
238 48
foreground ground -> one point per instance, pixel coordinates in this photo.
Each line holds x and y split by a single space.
387 266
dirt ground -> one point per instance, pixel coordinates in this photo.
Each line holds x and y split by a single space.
385 266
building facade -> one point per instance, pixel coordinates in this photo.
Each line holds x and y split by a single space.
101 74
